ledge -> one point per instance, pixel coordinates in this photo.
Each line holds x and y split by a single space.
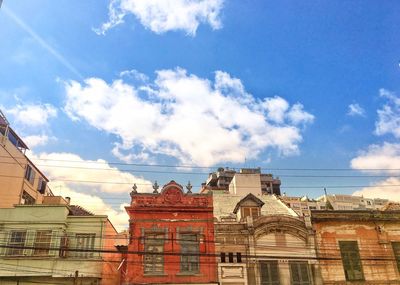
189 274
154 274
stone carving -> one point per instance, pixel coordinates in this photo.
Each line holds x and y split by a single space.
173 196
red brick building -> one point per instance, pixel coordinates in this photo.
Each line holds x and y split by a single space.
171 238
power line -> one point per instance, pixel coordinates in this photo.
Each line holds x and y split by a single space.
209 167
143 252
145 184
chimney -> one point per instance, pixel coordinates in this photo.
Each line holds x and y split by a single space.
68 199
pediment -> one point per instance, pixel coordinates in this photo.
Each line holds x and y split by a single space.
248 201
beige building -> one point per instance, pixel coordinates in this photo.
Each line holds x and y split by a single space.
21 182
55 243
260 240
304 205
223 178
351 202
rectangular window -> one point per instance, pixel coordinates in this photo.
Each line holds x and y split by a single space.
27 199
396 251
190 257
253 212
62 252
16 243
42 243
351 260
84 242
154 250
299 273
41 185
230 257
223 257
269 273
238 257
30 174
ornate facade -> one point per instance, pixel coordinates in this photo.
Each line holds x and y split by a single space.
262 241
171 238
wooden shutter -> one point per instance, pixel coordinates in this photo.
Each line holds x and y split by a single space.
299 273
269 273
351 260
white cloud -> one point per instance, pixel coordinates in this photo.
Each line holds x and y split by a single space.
187 117
385 156
298 116
389 115
161 16
32 115
68 167
276 108
133 73
37 140
355 110
386 189
65 170
119 218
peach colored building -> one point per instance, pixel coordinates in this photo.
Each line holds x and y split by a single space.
358 247
21 182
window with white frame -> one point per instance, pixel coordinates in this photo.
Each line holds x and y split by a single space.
42 242
84 245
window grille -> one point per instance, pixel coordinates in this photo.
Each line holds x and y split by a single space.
154 253
42 242
84 242
17 239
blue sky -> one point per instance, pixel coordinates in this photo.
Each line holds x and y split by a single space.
310 84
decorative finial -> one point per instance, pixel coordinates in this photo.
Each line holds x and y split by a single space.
189 187
134 190
155 187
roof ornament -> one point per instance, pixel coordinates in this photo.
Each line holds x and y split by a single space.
189 187
134 190
155 187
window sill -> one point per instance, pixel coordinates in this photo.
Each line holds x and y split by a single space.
189 274
154 274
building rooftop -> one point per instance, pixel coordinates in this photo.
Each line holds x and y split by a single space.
224 205
76 210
